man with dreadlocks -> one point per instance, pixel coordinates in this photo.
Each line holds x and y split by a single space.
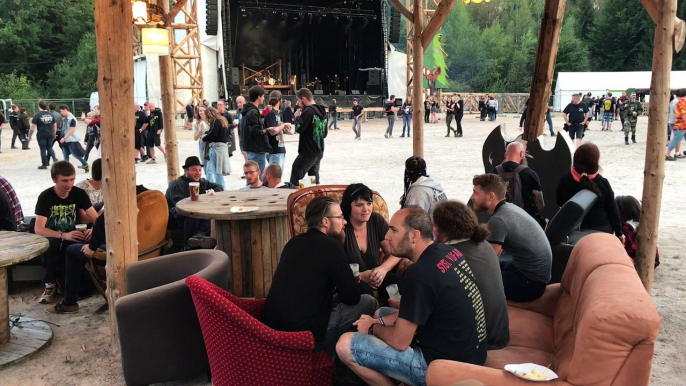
420 189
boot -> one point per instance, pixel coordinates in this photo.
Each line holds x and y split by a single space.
626 140
448 135
633 138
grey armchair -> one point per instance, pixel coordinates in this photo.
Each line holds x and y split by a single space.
159 332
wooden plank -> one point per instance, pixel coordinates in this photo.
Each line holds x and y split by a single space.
281 228
11 347
548 40
256 242
171 15
168 107
267 240
224 243
276 252
401 8
221 206
236 259
437 19
654 171
417 86
246 258
4 308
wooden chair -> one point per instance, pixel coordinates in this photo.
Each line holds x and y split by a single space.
298 200
153 214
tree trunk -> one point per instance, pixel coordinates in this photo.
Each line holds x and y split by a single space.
168 107
418 83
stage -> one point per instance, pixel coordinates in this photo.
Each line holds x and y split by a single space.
327 46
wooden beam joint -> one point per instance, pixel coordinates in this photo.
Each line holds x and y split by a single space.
404 11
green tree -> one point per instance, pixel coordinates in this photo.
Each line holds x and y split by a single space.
75 77
585 16
13 86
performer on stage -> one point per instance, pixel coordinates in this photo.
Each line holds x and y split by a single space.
336 82
317 83
259 79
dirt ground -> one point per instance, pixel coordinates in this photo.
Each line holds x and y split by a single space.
80 351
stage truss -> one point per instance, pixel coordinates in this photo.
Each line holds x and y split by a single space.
429 7
186 59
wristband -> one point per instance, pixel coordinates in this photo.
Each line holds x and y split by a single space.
371 329
382 322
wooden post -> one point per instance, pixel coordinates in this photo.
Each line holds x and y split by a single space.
168 107
679 25
114 39
544 67
440 14
418 83
654 172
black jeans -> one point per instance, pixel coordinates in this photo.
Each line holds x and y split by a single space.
54 260
427 114
22 138
90 145
518 287
191 226
74 274
45 145
458 123
305 164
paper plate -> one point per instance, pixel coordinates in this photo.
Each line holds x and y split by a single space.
529 371
244 209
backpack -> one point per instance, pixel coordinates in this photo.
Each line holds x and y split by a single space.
608 104
513 183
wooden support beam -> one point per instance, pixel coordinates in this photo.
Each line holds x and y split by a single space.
442 11
114 38
401 8
171 15
544 67
168 107
417 84
654 171
679 26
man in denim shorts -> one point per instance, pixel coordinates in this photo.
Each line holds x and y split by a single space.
441 315
609 106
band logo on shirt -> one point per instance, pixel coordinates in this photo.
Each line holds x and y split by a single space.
62 218
452 258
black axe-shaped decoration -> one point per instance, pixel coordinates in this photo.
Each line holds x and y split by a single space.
550 164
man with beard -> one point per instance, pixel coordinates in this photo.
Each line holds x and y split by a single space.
516 233
312 268
310 123
440 316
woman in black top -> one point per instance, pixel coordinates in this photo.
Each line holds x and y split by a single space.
450 115
216 147
584 175
459 111
288 116
427 110
275 128
365 234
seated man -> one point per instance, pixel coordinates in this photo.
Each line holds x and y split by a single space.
6 214
58 210
518 234
251 171
441 314
456 225
18 214
530 194
312 268
271 178
196 231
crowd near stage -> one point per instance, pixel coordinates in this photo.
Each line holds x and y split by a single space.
334 48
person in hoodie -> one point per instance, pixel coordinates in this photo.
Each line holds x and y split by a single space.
15 125
420 189
311 124
255 136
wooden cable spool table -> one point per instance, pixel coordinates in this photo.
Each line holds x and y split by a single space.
253 240
28 336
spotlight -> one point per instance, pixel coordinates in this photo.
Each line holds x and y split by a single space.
244 13
264 16
365 21
309 18
335 19
284 16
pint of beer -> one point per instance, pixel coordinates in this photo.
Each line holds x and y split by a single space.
195 190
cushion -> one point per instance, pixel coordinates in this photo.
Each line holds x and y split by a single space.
530 330
497 359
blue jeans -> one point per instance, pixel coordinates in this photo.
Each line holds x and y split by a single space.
73 272
45 145
491 115
407 366
677 136
260 158
407 122
191 226
518 287
278 158
334 122
391 121
211 169
75 149
670 126
201 150
550 123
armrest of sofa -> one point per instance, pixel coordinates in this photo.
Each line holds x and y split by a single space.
447 373
546 304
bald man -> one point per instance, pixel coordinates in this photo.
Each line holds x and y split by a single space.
272 178
240 101
529 180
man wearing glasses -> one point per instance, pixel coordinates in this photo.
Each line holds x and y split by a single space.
252 172
313 266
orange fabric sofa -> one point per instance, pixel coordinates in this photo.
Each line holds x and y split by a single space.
597 327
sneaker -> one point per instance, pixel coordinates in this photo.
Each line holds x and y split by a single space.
680 156
14 147
202 241
82 166
144 158
386 135
151 161
42 167
86 168
670 158
402 136
60 308
54 159
48 294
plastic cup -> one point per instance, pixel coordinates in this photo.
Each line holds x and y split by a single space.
195 190
82 228
393 291
356 269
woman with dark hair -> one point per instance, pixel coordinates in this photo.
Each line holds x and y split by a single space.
420 189
199 130
365 234
584 175
93 185
450 114
275 127
217 147
406 113
629 210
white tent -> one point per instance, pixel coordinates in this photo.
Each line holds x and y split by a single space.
600 83
397 72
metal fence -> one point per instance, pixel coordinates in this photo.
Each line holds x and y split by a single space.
76 106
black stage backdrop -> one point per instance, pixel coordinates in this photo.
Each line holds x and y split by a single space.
322 45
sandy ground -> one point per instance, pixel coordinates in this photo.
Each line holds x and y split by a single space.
79 353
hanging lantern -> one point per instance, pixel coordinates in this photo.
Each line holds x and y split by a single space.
476 1
155 41
488 1
140 12
466 1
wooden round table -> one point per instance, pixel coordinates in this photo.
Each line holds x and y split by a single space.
29 336
253 240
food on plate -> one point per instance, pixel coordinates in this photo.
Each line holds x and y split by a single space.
533 374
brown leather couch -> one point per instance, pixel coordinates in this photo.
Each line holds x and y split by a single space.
597 327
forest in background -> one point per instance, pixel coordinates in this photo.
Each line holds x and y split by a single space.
47 49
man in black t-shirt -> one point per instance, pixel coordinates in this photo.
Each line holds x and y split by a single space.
155 126
44 123
310 123
58 210
333 115
576 116
357 119
139 133
441 313
390 114
529 180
